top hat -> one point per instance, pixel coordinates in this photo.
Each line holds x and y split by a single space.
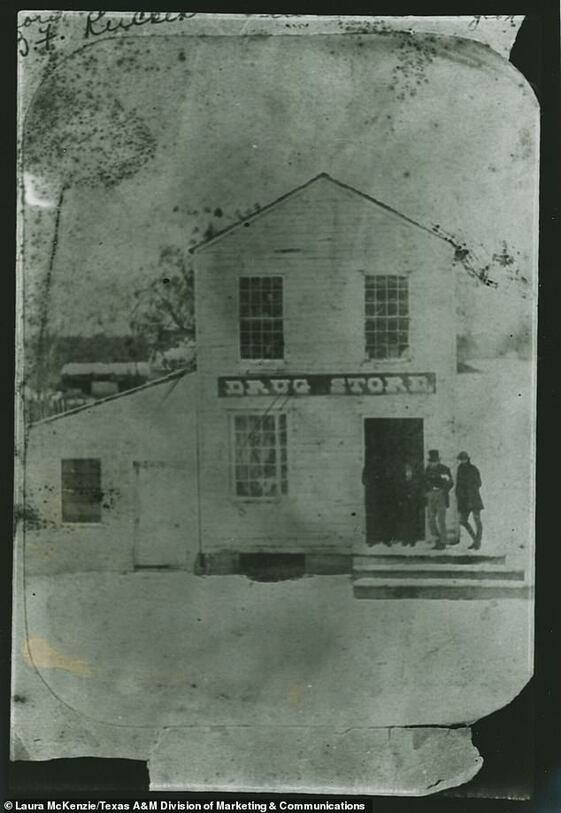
434 457
463 456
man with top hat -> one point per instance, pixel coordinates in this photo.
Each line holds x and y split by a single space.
437 482
468 498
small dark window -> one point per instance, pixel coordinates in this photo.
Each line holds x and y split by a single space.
386 311
261 318
81 490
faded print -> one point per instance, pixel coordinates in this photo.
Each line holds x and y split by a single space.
276 275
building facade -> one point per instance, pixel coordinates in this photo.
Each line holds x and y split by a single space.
326 345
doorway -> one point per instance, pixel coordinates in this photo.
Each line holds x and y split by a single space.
165 515
393 498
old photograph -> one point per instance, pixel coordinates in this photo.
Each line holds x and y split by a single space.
277 287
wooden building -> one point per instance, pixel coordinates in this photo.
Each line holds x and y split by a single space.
326 340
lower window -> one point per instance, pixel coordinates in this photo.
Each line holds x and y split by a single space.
81 490
260 464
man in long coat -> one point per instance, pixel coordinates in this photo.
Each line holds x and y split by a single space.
437 484
468 483
409 503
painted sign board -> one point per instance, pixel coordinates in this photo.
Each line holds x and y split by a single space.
339 384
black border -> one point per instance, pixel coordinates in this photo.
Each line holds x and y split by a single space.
547 680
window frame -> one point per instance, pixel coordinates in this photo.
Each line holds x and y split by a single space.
64 489
263 499
406 355
261 360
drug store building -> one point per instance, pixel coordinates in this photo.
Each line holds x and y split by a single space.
326 340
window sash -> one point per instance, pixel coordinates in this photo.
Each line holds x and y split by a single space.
261 321
260 469
81 493
386 313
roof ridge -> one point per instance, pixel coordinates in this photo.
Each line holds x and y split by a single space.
263 209
303 186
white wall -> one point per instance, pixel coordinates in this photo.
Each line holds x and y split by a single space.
156 424
322 240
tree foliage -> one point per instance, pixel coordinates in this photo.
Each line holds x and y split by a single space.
77 132
164 312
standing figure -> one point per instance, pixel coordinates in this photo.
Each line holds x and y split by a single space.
409 505
438 482
379 481
468 498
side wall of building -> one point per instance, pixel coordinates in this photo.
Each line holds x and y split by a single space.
149 434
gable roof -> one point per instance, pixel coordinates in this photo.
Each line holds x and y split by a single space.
322 176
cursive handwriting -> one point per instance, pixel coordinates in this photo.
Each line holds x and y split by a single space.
39 24
478 17
42 19
97 22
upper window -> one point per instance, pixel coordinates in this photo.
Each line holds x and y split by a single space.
261 325
386 316
81 490
260 467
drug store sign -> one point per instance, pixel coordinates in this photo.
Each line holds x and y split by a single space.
298 385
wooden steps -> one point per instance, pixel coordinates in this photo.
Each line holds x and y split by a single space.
407 558
436 576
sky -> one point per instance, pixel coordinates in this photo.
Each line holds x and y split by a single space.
442 129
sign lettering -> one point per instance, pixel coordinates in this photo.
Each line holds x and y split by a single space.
298 386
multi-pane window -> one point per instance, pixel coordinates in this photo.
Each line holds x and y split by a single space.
260 466
261 325
81 490
386 316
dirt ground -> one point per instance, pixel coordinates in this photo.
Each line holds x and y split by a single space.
158 649
108 664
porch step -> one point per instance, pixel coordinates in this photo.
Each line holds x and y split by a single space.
480 571
406 559
427 588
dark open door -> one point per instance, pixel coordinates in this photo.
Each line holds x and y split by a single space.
393 498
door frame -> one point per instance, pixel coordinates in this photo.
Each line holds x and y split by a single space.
364 419
137 466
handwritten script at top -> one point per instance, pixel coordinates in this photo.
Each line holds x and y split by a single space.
476 19
40 33
98 23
